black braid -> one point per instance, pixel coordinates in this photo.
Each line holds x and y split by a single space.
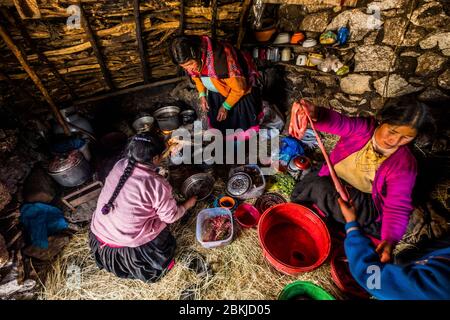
126 174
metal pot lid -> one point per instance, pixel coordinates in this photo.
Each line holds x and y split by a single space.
302 162
269 200
143 123
167 112
64 163
200 185
239 184
299 163
188 112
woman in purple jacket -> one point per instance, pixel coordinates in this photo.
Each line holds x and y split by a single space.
373 160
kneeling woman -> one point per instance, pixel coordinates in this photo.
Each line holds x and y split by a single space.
129 234
224 77
375 163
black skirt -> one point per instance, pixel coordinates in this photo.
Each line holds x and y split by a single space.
148 262
243 115
320 191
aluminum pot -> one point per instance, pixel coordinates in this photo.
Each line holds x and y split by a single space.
70 170
143 123
187 116
70 115
168 118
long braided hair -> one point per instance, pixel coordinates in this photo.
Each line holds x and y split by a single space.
142 148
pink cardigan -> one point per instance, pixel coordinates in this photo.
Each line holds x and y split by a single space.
394 179
142 209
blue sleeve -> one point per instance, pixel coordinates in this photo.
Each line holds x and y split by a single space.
389 281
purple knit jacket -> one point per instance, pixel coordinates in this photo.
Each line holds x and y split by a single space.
394 179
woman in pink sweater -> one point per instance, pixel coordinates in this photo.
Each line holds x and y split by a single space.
374 162
129 234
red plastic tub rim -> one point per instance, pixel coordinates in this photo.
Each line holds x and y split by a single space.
283 267
355 289
246 210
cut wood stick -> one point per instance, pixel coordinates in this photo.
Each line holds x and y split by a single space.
32 74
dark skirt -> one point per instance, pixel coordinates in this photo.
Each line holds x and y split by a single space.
243 115
148 262
320 191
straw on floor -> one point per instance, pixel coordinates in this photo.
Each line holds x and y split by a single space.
239 272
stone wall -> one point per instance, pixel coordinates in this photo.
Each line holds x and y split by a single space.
411 48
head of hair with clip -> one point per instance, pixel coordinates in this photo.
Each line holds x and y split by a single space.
143 148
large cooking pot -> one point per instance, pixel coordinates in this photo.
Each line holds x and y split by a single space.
168 118
70 170
72 117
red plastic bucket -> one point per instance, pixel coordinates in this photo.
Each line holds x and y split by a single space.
340 273
294 239
247 215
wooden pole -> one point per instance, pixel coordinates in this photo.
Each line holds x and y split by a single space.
242 21
37 81
182 13
213 18
23 31
142 52
93 40
128 90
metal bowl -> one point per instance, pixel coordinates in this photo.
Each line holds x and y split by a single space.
238 184
143 124
200 185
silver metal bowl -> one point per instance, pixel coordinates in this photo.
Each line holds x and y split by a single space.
200 185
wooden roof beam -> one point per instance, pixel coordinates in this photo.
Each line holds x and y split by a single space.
242 21
214 18
142 51
94 43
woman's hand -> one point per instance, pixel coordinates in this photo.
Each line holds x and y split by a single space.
188 204
222 115
299 120
348 210
384 250
204 104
